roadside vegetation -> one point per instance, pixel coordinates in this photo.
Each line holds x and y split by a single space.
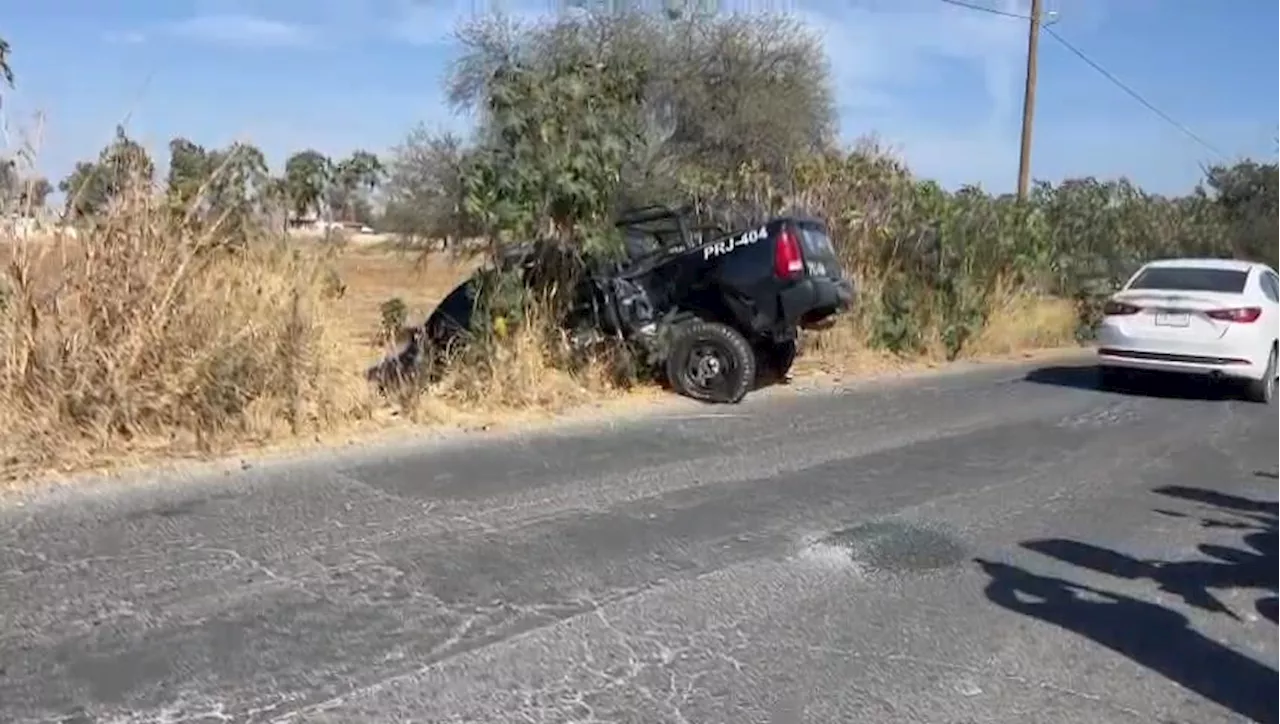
185 314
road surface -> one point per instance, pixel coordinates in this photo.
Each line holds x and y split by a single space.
1001 545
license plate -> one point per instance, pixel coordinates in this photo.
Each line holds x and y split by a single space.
1173 320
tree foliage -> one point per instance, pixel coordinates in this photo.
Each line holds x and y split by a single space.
424 187
307 178
228 190
123 164
21 193
354 179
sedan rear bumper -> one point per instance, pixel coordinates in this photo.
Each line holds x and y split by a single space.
1227 356
1153 361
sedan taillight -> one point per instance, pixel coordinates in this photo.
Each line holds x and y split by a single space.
1244 315
1119 309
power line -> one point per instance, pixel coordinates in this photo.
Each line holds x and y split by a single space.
984 9
1096 66
1133 93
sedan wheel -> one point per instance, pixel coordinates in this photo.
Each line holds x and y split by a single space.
1264 390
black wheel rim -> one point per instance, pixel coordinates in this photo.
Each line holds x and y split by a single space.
709 369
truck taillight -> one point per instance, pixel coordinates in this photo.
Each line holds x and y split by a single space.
1244 315
787 261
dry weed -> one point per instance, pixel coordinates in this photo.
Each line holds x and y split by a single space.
1020 321
142 334
529 369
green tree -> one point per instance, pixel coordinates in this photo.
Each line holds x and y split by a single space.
34 193
307 175
91 186
10 182
189 172
85 190
355 178
1246 194
716 91
557 138
238 188
424 188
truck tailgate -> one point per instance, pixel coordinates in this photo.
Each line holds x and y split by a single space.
820 258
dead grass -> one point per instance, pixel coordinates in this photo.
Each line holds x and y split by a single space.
372 276
141 340
1020 321
144 339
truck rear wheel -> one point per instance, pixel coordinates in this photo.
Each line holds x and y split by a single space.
710 362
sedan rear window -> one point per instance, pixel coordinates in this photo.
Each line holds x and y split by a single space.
1191 279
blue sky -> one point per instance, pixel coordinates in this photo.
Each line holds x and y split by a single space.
939 83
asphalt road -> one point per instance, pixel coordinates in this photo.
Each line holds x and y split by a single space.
977 547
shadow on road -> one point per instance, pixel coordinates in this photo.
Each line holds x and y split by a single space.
1157 637
1144 384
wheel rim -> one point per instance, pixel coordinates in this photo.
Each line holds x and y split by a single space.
709 369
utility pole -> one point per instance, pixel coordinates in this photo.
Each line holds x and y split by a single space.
1029 101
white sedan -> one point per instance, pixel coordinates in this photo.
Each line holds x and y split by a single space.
1214 317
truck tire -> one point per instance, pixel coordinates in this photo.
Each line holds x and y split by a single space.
710 362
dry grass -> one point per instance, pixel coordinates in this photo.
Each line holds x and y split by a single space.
141 340
146 339
373 276
1020 322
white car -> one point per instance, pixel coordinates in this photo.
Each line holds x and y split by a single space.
1214 317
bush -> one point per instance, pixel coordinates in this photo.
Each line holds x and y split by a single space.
394 313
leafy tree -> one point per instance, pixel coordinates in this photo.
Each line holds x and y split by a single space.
34 193
85 189
189 172
122 165
307 176
354 179
716 91
559 138
9 182
424 188
1247 193
238 185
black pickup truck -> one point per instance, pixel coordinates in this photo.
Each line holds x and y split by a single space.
713 309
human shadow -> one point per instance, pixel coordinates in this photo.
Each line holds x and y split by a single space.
1155 636
1223 501
1147 633
1142 384
1191 580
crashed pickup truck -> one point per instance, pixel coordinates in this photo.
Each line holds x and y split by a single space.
712 310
